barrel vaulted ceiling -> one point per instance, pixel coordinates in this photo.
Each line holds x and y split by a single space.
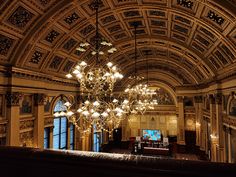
186 42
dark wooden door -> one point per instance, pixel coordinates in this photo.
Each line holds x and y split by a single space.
190 140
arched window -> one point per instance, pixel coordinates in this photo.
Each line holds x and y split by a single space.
61 140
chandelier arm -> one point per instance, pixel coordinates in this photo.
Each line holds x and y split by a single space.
135 52
97 32
147 67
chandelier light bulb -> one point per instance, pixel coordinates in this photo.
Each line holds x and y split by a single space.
69 76
80 49
93 53
95 115
70 113
79 75
107 74
83 63
79 110
76 71
62 113
105 114
56 114
87 102
114 68
67 104
109 64
96 103
85 113
117 75
101 53
78 67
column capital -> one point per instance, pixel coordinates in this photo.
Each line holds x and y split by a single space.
218 98
212 99
180 99
13 98
39 99
198 99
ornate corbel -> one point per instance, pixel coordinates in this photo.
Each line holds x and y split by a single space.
39 99
13 98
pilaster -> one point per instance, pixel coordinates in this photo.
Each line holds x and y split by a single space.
13 115
219 127
199 117
39 120
214 139
180 122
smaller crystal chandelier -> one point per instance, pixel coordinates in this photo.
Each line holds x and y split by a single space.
98 80
139 97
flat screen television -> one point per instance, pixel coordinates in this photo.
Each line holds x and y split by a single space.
154 135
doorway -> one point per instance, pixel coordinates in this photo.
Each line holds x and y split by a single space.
190 140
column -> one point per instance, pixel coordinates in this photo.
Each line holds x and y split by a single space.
13 115
230 146
203 139
180 122
39 120
68 135
199 117
51 138
124 130
219 127
214 140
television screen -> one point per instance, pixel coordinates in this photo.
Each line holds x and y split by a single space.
154 135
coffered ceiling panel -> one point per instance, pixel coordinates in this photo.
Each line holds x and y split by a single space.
192 40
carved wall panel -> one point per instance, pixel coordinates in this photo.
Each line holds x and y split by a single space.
26 104
48 122
26 124
26 139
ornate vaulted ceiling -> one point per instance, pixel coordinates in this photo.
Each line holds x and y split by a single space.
186 42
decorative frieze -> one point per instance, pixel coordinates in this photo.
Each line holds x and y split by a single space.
229 121
13 98
26 124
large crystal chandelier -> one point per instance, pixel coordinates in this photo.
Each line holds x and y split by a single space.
98 112
139 97
98 79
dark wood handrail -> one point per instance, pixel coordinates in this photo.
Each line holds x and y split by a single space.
16 161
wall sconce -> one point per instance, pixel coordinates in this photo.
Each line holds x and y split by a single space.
198 124
213 136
